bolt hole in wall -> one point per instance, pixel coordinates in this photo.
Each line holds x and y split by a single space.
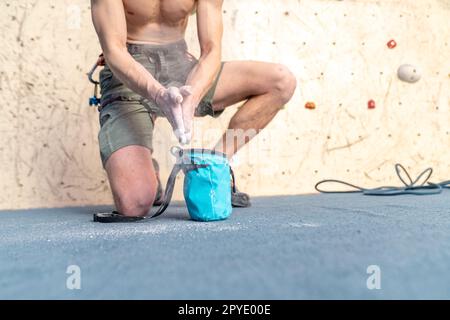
373 90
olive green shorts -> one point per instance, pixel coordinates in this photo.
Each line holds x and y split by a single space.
127 118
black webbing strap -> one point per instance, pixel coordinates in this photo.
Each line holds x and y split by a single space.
170 186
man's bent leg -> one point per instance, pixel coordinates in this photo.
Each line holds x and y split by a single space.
132 179
267 87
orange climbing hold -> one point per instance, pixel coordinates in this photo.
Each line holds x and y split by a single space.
371 104
310 105
392 44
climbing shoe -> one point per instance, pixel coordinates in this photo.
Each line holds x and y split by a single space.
238 199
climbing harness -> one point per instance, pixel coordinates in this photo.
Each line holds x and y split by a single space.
94 101
206 189
411 187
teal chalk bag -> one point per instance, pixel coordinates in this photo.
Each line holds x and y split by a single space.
207 183
207 187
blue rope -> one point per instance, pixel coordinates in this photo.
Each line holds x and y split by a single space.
411 187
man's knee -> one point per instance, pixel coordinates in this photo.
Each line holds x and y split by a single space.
285 82
135 204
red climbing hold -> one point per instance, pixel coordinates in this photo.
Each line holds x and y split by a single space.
371 104
392 44
310 105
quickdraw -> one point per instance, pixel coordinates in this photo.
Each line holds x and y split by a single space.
94 101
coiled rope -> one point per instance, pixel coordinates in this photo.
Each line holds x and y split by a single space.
410 187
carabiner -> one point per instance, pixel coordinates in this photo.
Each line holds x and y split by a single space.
100 62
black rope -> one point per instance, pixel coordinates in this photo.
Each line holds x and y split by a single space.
410 187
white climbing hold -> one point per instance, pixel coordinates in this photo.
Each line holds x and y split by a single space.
409 73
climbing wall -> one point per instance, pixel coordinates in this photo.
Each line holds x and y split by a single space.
352 117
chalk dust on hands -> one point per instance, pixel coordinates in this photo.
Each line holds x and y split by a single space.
170 102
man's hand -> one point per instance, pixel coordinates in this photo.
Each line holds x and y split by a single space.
188 106
170 102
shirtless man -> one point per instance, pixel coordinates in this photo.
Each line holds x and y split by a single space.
150 73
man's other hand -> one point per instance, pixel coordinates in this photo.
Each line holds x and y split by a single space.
188 106
170 102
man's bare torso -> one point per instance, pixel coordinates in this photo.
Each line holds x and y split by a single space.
157 21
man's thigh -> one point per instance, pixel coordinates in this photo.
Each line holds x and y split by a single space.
125 141
241 80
